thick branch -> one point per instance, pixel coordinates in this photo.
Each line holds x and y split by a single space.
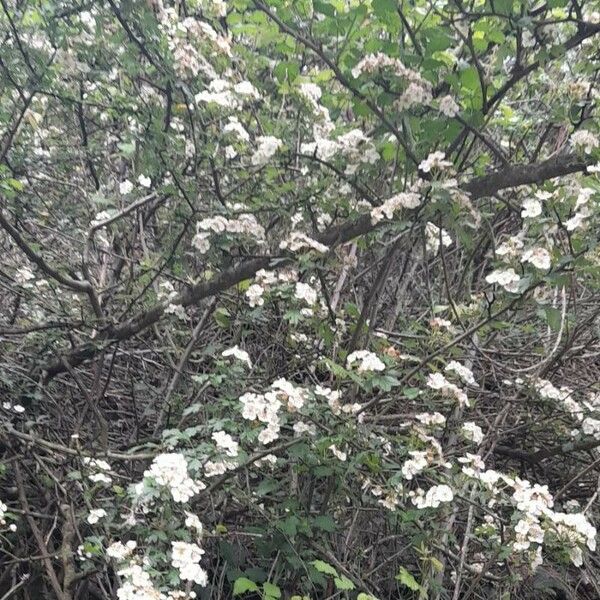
483 186
74 284
516 175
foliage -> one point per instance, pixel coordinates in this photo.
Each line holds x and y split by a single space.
299 299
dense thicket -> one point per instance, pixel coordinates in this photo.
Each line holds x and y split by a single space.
299 299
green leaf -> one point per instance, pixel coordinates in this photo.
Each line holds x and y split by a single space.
271 590
343 583
289 526
406 578
243 585
325 522
382 7
324 567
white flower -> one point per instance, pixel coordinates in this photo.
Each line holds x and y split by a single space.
439 323
310 91
436 160
415 465
284 390
201 241
342 456
436 381
300 428
254 294
511 247
432 238
193 522
245 88
144 181
100 478
95 515
538 257
269 434
368 361
433 498
472 432
170 470
391 205
235 127
213 468
225 442
463 372
531 208
218 92
305 292
185 557
431 419
507 278
576 221
18 408
298 240
267 147
241 355
585 140
125 187
119 551
448 106
591 426
23 275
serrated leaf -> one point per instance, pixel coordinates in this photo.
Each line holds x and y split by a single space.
324 567
325 522
406 578
243 585
343 583
271 590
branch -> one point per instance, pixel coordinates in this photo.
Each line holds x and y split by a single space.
516 175
312 45
74 284
483 186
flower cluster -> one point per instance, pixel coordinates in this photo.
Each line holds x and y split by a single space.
185 558
393 204
101 470
418 90
238 354
367 361
437 382
244 224
171 470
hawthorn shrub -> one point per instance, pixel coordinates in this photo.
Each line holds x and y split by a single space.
300 299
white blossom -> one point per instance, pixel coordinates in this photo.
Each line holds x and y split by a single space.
170 470
532 208
144 181
95 515
538 257
125 187
267 147
585 140
225 442
239 354
255 295
305 292
448 106
368 361
472 432
436 160
507 278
